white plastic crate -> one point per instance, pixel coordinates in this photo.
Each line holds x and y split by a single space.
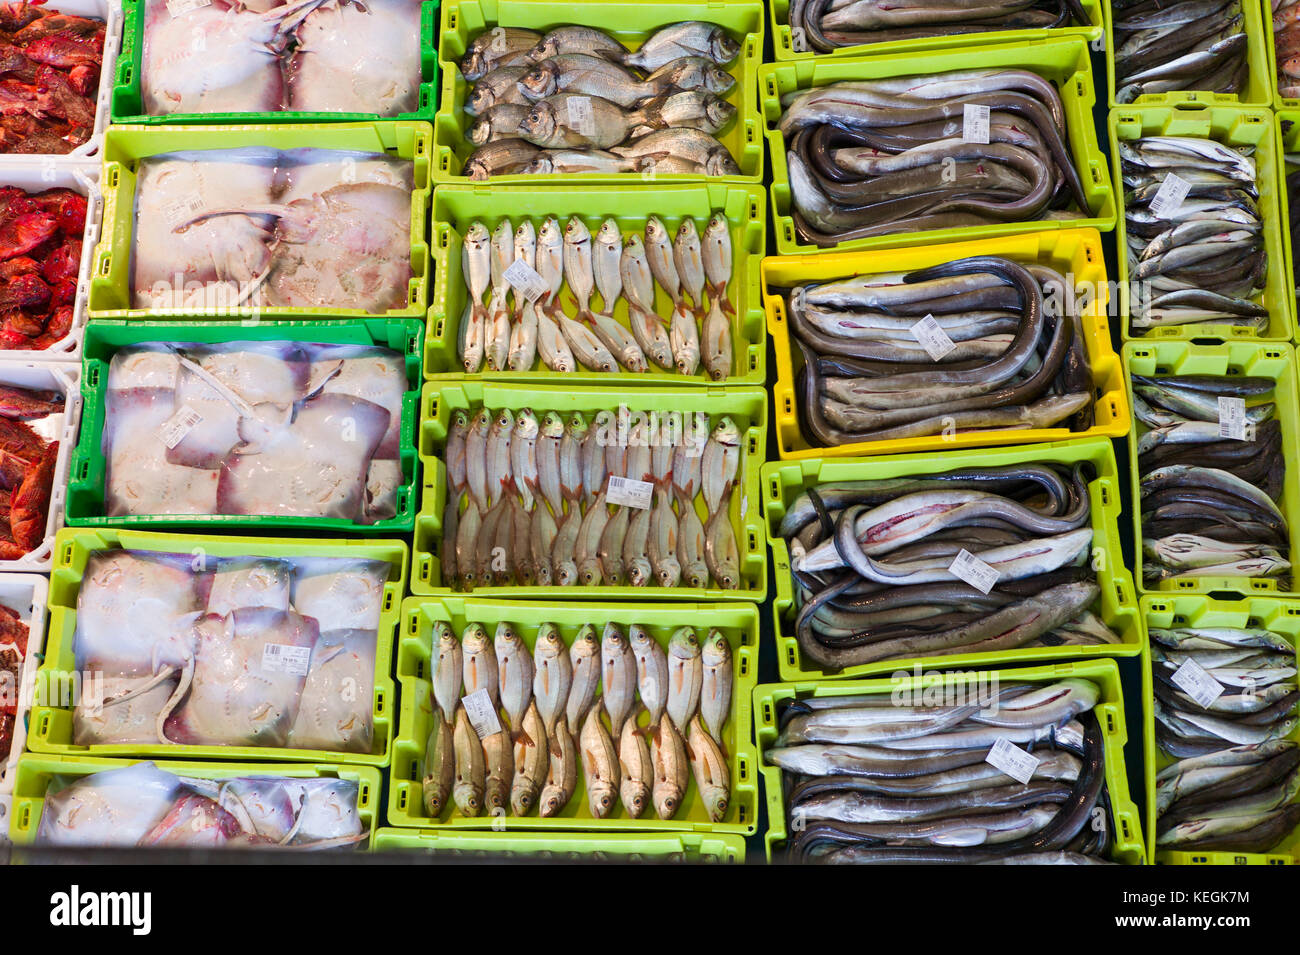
27 595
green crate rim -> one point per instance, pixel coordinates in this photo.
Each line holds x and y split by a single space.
725 846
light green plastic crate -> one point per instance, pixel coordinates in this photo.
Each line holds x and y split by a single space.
784 481
35 773
1128 847
1260 86
1166 611
1064 61
559 848
1286 133
783 41
628 22
455 208
738 622
1279 102
746 406
1231 358
125 146
50 729
1231 127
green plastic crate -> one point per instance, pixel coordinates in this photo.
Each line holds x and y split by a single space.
1286 133
85 501
1232 127
783 41
1128 847
455 208
128 102
784 481
50 729
1064 61
746 406
739 622
1270 47
1260 86
125 146
565 847
1231 358
628 22
1166 611
36 771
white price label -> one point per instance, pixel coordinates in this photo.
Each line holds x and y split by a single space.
284 658
175 428
629 492
969 568
1192 679
181 211
975 123
1012 760
482 714
178 8
581 119
1169 196
1232 419
932 337
525 280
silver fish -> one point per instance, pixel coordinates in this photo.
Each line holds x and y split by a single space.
584 659
715 688
659 253
514 673
599 766
552 675
689 38
685 676
523 456
607 257
651 671
480 664
618 675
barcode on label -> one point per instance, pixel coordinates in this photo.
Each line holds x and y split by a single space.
1169 196
629 492
1232 419
932 337
178 8
482 714
581 120
975 123
1012 760
284 658
175 428
969 568
1192 679
525 280
181 211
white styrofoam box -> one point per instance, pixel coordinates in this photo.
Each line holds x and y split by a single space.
66 379
6 807
110 11
36 175
26 595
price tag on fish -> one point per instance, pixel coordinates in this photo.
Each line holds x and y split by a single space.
1012 760
932 337
175 428
970 569
182 210
482 714
283 658
629 492
1192 679
525 280
975 123
1232 419
581 119
1169 196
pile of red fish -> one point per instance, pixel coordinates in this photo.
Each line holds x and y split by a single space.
40 254
49 78
26 468
13 650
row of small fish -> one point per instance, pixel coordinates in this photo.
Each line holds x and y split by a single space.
525 321
1235 778
532 760
1291 168
1209 481
1191 45
878 565
871 780
968 345
577 100
528 501
1286 46
1195 233
878 157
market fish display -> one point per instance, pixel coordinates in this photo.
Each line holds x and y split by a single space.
824 26
575 100
273 428
872 782
1286 46
657 723
875 565
534 508
1291 169
524 324
14 634
298 228
1210 487
1188 45
1233 783
31 423
40 261
1008 352
336 56
878 157
143 805
243 651
1201 260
